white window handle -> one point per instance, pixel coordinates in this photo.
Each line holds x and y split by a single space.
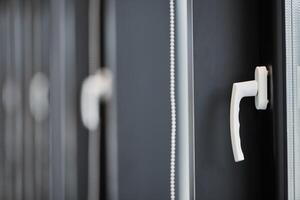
94 88
257 88
39 96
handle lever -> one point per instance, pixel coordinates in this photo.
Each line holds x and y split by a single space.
94 88
257 88
39 96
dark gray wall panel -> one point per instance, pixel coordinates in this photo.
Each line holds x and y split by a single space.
143 98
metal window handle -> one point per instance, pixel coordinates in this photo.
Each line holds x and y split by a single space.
257 88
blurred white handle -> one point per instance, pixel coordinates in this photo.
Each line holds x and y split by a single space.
94 88
257 88
39 96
